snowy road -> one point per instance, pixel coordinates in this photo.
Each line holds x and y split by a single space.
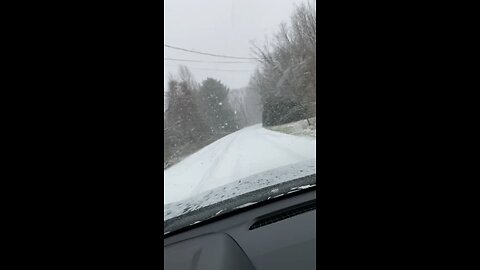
243 153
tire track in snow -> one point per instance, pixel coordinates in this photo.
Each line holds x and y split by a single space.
230 161
241 154
237 156
218 157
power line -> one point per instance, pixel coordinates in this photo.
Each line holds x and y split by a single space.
221 70
200 61
209 54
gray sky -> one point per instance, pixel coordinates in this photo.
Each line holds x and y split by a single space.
223 27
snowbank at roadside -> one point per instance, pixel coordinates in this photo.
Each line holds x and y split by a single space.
299 128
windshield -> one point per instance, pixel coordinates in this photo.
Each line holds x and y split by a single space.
239 104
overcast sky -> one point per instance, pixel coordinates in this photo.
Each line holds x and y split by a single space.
223 27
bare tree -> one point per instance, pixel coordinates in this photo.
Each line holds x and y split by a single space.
287 73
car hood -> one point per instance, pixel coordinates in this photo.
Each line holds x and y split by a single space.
242 193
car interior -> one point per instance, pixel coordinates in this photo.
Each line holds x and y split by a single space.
276 234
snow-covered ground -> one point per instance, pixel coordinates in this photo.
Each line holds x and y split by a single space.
241 154
299 128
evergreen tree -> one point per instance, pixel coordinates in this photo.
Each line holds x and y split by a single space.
217 110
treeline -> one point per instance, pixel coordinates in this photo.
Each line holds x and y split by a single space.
195 115
286 77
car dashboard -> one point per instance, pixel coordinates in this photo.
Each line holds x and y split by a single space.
279 234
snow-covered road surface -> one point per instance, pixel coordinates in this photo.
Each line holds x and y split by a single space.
246 152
